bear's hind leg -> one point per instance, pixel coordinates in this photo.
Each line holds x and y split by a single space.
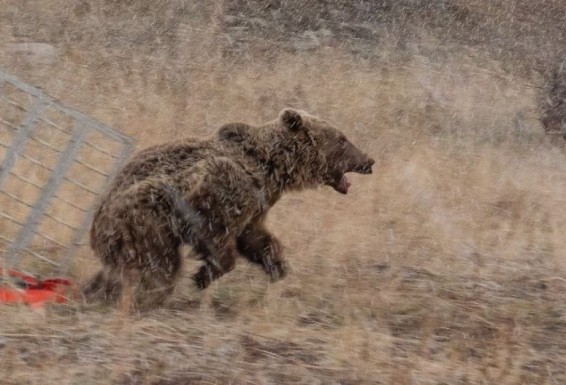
157 283
105 286
259 246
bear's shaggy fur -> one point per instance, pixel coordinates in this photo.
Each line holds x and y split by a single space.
213 195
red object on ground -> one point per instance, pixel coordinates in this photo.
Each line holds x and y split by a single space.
16 287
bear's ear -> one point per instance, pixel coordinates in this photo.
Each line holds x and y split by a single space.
233 132
291 119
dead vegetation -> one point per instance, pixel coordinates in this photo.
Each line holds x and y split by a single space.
444 267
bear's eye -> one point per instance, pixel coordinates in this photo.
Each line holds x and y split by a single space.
342 140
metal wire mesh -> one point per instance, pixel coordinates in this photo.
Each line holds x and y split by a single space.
55 161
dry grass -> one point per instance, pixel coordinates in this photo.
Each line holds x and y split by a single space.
443 267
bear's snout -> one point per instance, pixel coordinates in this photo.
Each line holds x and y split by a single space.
365 166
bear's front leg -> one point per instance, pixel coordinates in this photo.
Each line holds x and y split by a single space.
259 246
216 265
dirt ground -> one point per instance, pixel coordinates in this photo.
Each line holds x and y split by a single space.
446 266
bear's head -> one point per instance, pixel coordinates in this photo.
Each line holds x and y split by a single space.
298 151
330 155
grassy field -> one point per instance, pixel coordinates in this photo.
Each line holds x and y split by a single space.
446 266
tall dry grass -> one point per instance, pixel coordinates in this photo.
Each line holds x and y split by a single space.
443 267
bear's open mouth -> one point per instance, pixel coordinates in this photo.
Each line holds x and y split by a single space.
343 185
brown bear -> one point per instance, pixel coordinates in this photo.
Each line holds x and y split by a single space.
213 195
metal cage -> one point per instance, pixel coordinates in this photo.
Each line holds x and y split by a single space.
55 161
